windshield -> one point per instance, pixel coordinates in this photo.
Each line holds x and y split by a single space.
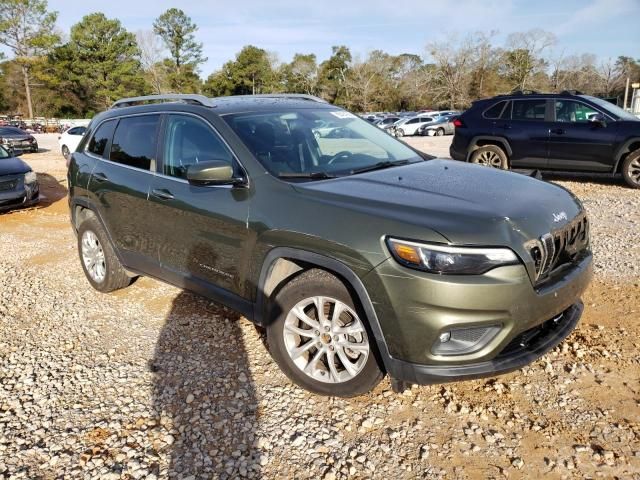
613 109
4 153
333 142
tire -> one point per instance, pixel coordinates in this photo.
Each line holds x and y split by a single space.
65 152
399 133
100 263
490 156
439 132
631 169
321 344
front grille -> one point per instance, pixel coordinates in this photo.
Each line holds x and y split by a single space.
6 185
560 247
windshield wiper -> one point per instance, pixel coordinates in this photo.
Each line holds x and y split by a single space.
379 166
312 175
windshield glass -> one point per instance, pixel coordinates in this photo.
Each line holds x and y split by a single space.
4 153
308 141
613 109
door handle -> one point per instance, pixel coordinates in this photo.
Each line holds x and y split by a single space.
162 194
557 131
100 177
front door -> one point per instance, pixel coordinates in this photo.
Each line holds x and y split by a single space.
575 143
202 230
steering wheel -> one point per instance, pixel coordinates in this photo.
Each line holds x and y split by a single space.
340 156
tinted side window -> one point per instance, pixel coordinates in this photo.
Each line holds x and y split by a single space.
189 141
134 143
529 110
101 138
572 111
495 111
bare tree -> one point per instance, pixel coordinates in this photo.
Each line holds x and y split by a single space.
452 74
524 58
151 56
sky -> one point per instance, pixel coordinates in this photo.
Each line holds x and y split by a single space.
606 28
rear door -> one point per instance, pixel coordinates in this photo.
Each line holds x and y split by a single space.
524 125
577 144
203 232
120 183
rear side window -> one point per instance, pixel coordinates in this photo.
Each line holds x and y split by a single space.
134 143
76 131
100 139
495 112
529 109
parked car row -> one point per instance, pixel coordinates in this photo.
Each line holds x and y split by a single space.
424 122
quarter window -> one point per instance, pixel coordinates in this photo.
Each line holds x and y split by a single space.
100 139
529 110
495 111
189 141
572 111
134 143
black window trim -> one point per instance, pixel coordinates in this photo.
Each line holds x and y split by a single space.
107 147
160 159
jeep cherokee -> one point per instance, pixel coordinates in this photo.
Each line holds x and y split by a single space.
357 255
566 131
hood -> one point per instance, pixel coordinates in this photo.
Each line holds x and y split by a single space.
13 166
467 204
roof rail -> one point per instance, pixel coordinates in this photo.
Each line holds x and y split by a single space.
524 92
571 92
300 96
179 97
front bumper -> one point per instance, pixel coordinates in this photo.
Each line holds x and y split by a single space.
21 196
522 350
414 308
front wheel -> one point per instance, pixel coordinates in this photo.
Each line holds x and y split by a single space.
65 152
440 132
490 156
631 169
319 337
399 133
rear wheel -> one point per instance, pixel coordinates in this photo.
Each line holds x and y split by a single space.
319 337
490 156
631 169
99 261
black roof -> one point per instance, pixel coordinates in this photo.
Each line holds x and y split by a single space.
257 103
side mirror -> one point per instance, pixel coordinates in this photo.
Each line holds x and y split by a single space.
213 172
598 120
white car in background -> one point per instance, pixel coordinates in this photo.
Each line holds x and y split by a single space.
69 140
410 126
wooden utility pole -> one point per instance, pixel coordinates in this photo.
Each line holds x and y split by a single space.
626 94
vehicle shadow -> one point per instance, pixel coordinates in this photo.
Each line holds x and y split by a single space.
203 392
52 190
600 178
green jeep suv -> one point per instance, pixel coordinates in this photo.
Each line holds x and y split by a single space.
357 255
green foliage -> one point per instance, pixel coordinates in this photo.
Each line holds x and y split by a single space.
98 65
250 73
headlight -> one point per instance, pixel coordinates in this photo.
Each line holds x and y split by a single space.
30 177
449 260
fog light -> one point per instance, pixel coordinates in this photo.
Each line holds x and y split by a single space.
445 337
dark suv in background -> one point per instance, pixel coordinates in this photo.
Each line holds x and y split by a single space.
567 131
356 255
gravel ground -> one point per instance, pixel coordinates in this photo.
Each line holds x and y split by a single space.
153 382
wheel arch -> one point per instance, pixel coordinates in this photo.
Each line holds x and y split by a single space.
283 263
631 145
483 140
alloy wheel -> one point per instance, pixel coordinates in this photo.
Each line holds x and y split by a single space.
489 159
633 170
93 257
326 339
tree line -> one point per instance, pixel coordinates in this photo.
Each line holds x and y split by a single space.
80 73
